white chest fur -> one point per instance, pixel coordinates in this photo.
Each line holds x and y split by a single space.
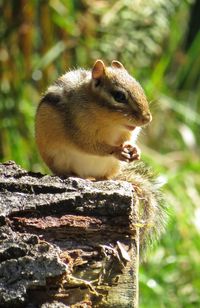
72 161
69 160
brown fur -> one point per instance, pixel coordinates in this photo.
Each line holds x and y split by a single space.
79 120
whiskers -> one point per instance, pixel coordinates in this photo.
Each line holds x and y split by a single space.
154 105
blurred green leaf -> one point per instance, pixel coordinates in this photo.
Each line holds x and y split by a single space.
52 54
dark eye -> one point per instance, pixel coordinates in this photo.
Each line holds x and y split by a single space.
97 82
119 96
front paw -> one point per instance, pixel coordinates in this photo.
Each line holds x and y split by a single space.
127 152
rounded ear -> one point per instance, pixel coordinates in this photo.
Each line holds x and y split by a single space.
117 64
98 69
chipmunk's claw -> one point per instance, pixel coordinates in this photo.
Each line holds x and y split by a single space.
127 152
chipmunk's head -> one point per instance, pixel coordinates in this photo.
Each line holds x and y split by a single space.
120 93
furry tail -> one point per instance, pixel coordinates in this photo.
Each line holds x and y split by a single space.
153 211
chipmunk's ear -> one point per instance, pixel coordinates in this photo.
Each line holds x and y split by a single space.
117 64
98 69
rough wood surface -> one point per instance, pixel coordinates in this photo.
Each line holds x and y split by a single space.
66 242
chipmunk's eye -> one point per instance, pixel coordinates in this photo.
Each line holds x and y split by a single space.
97 82
119 96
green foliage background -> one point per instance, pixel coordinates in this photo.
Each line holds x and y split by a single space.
42 39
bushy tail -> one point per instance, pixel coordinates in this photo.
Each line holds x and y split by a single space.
153 212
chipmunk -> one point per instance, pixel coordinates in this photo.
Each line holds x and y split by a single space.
87 124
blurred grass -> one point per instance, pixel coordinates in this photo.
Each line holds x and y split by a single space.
41 39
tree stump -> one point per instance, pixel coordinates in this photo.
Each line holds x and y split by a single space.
66 242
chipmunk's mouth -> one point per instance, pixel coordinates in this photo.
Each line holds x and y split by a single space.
130 127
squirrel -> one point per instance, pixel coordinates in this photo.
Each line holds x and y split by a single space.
87 124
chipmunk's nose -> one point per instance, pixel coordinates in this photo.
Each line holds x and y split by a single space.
147 117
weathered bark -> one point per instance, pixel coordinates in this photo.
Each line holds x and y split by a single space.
66 242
